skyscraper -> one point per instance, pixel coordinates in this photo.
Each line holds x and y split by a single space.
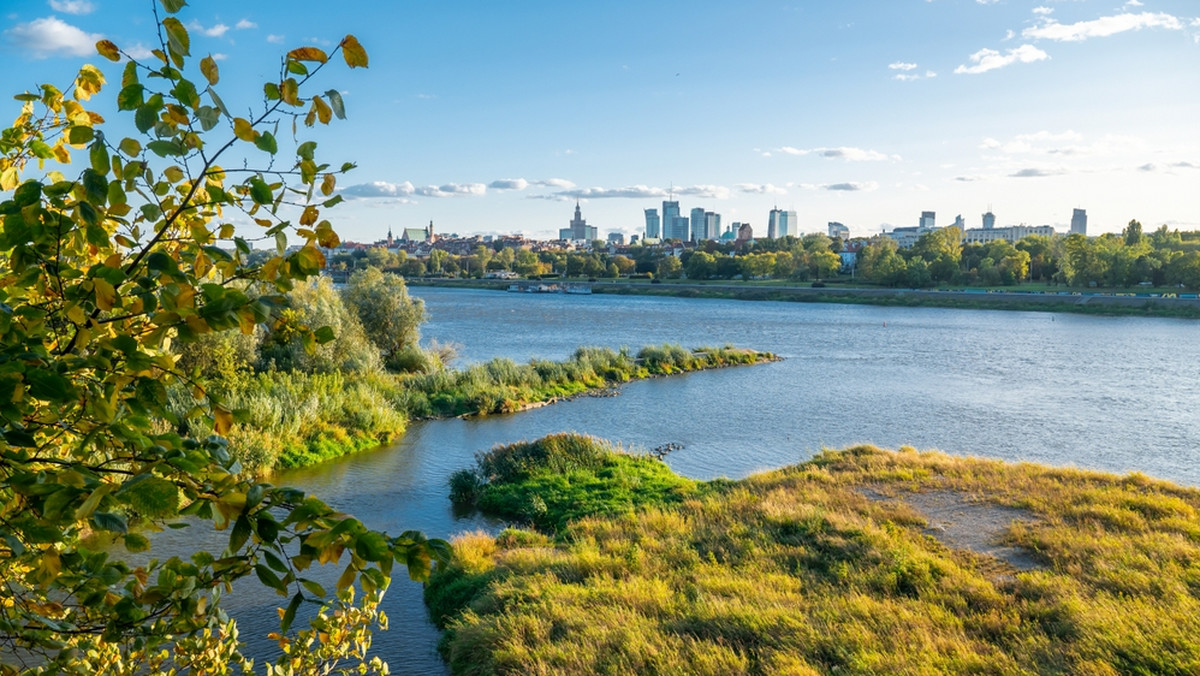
1079 222
653 227
712 225
697 223
781 223
926 220
578 229
670 211
989 220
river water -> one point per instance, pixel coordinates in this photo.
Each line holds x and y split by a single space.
1113 394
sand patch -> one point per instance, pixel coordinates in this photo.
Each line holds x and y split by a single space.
960 523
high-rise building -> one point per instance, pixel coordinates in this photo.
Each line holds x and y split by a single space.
712 225
676 228
781 223
838 231
926 220
670 211
1079 222
578 229
697 224
653 227
989 220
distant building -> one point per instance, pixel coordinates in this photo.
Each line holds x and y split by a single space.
416 234
653 226
781 223
697 224
838 231
578 229
960 223
1079 222
676 228
989 220
1010 233
744 232
927 218
712 226
617 238
670 211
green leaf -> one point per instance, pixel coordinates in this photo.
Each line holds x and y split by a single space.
173 6
269 578
136 543
260 192
130 147
80 134
332 201
218 102
312 587
49 386
151 496
165 148
240 534
178 41
335 102
110 522
324 334
208 116
185 93
289 615
98 155
145 117
266 143
130 97
305 151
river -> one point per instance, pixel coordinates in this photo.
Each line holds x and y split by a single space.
1113 394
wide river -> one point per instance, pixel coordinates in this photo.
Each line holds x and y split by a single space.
1112 394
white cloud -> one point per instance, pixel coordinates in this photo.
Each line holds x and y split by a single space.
760 189
274 39
212 31
138 51
910 77
72 6
218 56
243 24
1133 3
453 190
560 183
1036 172
1043 10
639 192
51 36
844 153
717 192
509 184
990 59
1102 27
405 189
851 186
1064 144
900 65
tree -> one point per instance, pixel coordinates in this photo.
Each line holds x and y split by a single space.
389 317
669 267
103 269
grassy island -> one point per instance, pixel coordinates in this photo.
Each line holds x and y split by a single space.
861 561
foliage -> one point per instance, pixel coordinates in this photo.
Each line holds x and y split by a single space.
311 306
389 317
826 567
561 477
101 272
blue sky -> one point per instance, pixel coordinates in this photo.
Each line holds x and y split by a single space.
495 117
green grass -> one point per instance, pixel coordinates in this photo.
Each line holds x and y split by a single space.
799 571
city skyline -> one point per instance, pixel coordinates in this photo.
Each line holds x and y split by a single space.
494 120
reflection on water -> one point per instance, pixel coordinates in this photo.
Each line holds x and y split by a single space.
1115 394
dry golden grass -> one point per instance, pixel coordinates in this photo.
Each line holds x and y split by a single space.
806 570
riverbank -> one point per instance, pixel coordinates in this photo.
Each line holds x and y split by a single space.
857 561
1078 302
288 420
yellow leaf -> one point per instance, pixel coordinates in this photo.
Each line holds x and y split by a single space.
308 54
244 130
208 66
328 184
198 325
324 112
106 295
309 216
186 297
227 230
173 173
290 92
108 50
222 420
355 55
9 179
61 153
113 261
246 321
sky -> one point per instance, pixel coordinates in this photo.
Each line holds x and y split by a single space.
495 118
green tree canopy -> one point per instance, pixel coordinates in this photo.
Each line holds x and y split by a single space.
103 266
